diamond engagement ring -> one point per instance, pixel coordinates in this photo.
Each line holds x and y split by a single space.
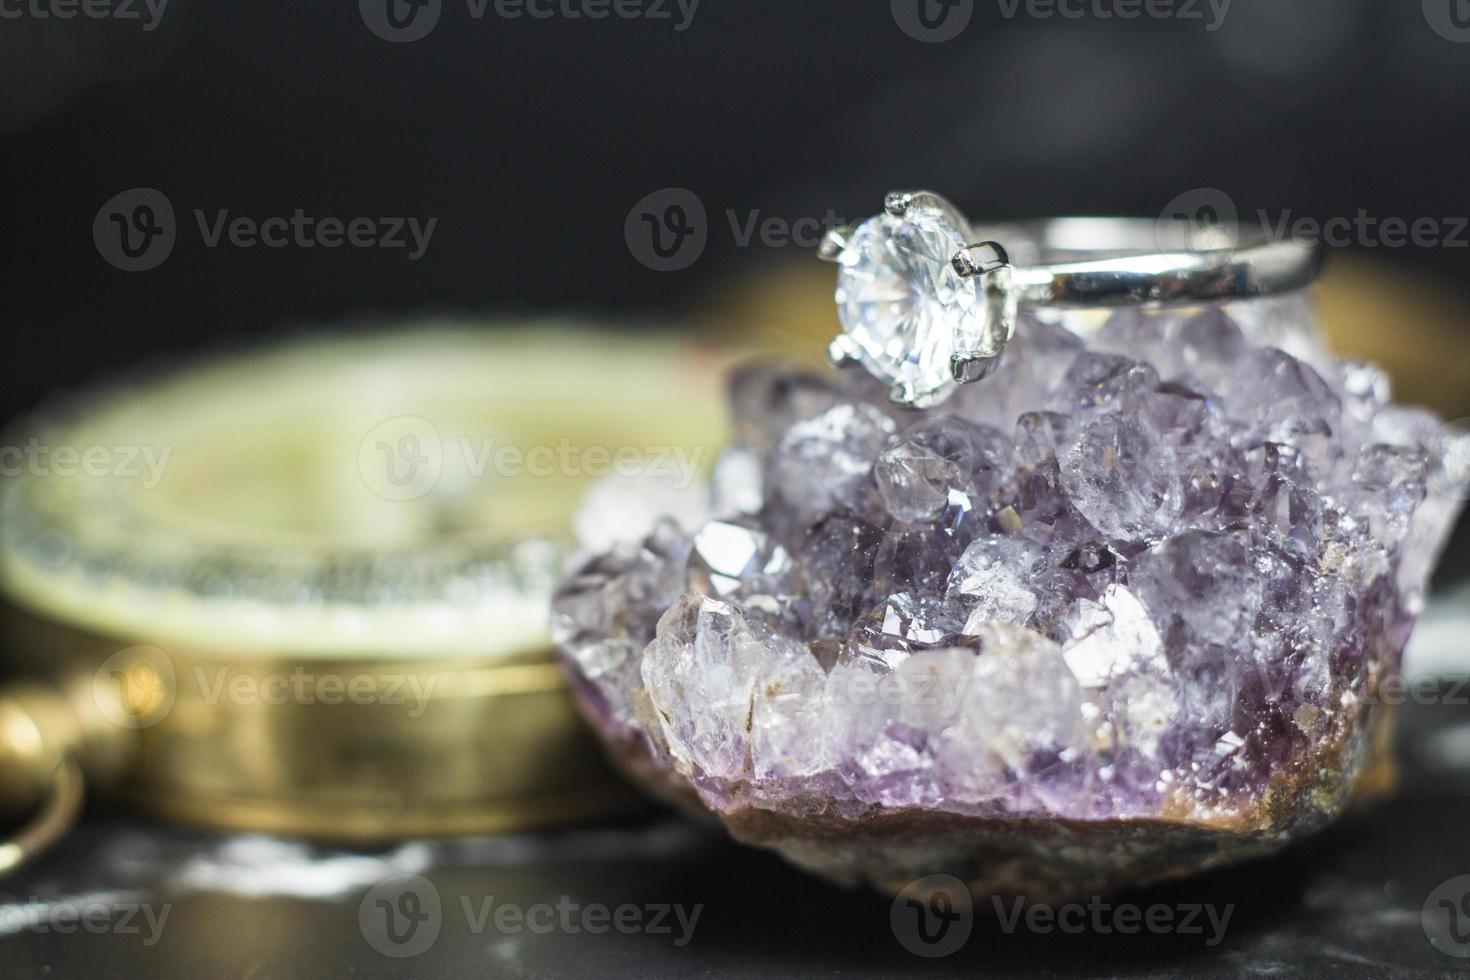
928 301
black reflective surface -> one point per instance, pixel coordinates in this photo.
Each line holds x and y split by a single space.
1347 904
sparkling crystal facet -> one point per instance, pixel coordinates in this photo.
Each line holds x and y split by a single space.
1145 576
902 304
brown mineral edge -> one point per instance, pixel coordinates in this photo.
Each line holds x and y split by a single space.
1052 860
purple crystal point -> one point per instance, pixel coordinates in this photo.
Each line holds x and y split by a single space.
922 468
1116 612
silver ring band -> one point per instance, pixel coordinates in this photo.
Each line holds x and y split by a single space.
928 301
1125 261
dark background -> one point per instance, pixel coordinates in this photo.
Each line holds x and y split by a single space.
530 141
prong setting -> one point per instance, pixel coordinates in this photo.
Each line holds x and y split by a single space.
906 203
979 259
971 367
921 310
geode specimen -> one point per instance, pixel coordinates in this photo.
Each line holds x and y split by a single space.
1118 613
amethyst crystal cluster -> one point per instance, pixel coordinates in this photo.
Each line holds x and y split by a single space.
1114 614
